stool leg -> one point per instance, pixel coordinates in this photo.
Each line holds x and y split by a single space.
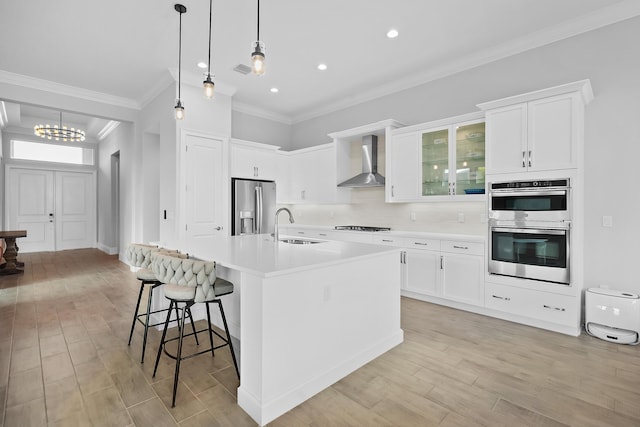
193 326
164 335
146 321
226 329
179 355
135 313
209 328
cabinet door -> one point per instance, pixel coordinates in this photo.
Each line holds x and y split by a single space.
507 139
403 173
469 158
252 163
463 278
434 154
552 139
422 272
312 176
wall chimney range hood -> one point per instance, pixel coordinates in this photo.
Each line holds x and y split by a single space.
369 176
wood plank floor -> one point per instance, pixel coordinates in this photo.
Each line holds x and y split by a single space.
64 361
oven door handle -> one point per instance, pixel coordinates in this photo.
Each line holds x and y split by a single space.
553 231
536 192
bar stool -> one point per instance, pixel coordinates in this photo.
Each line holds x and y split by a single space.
142 256
189 282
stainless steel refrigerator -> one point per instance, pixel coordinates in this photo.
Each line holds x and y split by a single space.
253 204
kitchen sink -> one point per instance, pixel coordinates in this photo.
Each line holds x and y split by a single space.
300 241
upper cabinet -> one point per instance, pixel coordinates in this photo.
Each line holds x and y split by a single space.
254 160
435 161
538 131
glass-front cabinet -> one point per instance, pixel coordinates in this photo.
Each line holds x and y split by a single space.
453 160
443 160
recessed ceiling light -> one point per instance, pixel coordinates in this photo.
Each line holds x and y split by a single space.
202 65
322 67
274 90
392 34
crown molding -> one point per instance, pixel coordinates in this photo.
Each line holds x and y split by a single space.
600 18
62 89
107 129
241 107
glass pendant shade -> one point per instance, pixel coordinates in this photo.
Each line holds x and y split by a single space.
257 58
179 110
208 87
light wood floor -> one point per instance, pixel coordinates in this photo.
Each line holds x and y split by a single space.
64 361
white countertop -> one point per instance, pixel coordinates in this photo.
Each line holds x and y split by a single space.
260 255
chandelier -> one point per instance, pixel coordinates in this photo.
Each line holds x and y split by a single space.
59 132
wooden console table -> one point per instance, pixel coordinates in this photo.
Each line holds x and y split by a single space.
12 266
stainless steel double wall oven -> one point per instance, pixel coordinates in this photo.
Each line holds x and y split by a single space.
530 229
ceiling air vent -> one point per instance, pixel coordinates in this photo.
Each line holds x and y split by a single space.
242 69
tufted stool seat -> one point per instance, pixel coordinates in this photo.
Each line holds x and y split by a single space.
141 256
189 282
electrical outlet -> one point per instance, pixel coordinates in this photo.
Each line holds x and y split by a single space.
460 217
331 214
413 216
607 221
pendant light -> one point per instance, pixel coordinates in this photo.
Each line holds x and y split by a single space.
179 108
208 83
257 57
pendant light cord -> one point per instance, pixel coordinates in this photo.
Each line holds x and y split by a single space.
258 38
209 61
179 54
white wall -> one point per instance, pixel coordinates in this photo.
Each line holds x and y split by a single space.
258 129
120 140
606 57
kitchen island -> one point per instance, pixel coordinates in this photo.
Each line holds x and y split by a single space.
310 314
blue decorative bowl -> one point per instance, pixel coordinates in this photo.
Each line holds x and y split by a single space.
474 191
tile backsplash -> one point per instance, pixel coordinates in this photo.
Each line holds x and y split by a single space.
367 207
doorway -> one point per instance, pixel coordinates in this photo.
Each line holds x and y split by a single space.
115 201
55 207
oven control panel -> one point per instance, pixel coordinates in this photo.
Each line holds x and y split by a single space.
531 184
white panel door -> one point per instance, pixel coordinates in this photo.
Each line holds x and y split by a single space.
75 210
204 210
30 207
57 208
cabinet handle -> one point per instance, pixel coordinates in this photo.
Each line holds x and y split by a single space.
387 240
461 247
453 188
300 232
303 194
529 158
524 165
322 234
441 262
502 298
420 244
393 193
403 257
554 308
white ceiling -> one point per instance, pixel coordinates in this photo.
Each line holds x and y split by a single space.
123 49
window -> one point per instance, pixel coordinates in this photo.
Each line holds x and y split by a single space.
47 152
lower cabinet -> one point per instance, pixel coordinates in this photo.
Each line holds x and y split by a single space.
545 306
447 269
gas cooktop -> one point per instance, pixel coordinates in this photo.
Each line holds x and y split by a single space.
361 228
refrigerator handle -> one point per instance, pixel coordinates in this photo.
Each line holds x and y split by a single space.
258 221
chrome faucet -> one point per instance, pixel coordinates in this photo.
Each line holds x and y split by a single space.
276 234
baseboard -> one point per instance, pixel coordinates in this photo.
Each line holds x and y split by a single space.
108 250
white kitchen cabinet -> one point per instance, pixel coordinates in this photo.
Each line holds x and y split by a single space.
442 160
422 272
538 131
253 160
547 307
312 176
402 162
463 271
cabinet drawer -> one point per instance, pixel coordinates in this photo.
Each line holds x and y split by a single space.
553 308
471 248
389 241
430 244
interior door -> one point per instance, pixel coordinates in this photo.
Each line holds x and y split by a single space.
75 210
57 208
30 207
204 211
